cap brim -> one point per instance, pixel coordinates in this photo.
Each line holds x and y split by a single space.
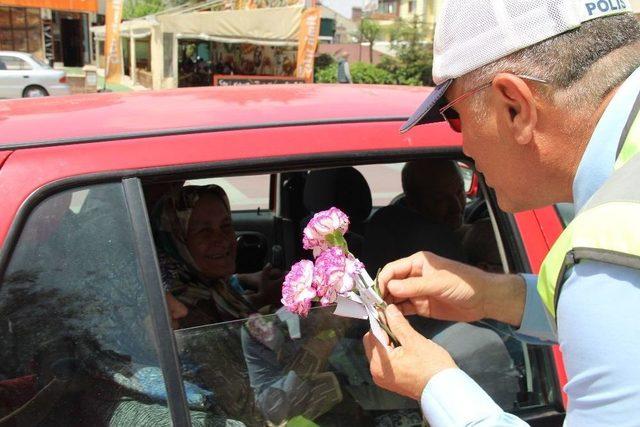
428 110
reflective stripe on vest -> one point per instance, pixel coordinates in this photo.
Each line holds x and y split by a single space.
607 229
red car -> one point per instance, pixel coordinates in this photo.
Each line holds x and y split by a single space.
86 335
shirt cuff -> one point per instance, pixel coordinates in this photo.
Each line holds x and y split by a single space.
536 327
451 398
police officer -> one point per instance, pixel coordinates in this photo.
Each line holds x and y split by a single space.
546 94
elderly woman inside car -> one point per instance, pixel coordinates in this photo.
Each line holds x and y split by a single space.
197 253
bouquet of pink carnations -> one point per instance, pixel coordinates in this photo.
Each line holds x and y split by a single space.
335 276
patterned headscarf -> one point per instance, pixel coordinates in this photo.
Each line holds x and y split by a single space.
180 273
175 212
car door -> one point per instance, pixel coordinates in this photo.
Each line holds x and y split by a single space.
263 367
15 77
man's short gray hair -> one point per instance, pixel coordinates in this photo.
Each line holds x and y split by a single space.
582 65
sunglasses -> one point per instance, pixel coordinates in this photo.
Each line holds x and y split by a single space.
452 117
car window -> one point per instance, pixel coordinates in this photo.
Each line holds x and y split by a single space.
12 63
244 192
40 62
384 181
273 369
75 327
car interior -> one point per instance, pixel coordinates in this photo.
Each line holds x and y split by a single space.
284 378
76 312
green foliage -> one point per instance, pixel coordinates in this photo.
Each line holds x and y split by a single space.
414 58
411 65
327 75
138 8
370 31
361 72
323 61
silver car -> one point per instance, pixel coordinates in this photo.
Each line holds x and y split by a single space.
24 75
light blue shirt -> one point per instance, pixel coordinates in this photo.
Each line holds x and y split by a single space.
598 319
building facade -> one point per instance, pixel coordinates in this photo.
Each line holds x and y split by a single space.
52 30
387 12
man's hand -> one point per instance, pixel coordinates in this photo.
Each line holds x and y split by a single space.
436 287
407 369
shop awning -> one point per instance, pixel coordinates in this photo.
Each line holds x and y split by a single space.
69 5
276 26
139 28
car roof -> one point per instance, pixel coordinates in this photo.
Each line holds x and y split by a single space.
107 116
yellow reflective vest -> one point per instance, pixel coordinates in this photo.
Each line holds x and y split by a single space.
607 228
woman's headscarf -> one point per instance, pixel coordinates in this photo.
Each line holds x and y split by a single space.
175 211
180 271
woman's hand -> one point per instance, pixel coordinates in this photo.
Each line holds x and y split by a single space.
266 284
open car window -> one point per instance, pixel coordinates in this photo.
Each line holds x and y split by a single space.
272 368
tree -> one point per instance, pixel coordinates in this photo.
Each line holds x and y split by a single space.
369 30
414 58
138 8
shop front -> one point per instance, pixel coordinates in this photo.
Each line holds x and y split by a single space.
52 30
185 48
203 63
245 42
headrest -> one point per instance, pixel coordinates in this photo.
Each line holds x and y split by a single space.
344 188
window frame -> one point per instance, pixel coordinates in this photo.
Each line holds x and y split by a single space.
509 233
149 269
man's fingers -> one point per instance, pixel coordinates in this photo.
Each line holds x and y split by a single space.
412 287
407 308
399 269
399 325
368 344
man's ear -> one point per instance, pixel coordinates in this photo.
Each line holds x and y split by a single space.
515 106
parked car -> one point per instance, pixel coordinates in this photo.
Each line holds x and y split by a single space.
22 75
87 338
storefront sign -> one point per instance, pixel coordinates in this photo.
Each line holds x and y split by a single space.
71 5
307 43
233 80
113 67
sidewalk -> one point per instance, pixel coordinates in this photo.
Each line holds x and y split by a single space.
126 85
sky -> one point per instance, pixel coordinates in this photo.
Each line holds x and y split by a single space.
342 6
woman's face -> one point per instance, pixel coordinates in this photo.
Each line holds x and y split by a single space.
211 239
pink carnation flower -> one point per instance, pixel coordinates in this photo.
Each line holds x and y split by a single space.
297 288
335 274
323 223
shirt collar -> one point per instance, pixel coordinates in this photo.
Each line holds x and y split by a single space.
598 159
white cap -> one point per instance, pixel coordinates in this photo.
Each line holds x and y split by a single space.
473 33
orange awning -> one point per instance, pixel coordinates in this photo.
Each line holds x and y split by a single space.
70 5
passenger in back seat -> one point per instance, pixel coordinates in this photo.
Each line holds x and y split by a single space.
425 219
